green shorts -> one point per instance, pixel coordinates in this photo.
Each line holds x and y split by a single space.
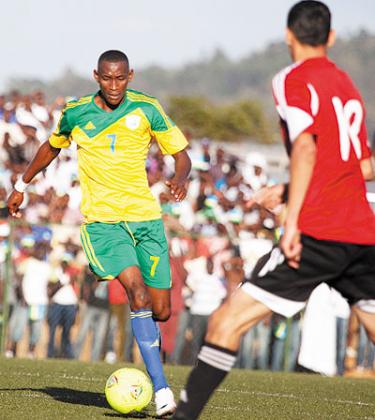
112 247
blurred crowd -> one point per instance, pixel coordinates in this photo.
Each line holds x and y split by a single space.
215 238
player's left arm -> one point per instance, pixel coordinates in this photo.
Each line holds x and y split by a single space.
367 168
177 184
367 160
172 142
302 162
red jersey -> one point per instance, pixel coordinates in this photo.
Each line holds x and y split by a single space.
314 96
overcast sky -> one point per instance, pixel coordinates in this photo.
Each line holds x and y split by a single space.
41 38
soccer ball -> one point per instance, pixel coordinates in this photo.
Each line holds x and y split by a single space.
128 390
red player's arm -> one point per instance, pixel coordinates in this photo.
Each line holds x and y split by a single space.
302 164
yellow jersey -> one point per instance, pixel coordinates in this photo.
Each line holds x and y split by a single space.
112 148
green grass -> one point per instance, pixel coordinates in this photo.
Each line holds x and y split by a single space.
59 389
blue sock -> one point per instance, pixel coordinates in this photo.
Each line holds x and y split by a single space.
147 334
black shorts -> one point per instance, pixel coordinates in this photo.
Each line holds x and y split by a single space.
349 268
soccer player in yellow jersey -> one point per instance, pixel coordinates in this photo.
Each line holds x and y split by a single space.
123 235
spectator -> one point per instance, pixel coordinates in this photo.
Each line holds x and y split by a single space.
26 116
17 136
2 106
39 109
255 171
3 206
62 311
341 310
119 313
255 347
178 274
32 303
208 291
94 314
285 342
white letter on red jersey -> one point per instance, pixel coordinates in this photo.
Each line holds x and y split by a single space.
349 119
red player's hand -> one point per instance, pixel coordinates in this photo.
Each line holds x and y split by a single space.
291 245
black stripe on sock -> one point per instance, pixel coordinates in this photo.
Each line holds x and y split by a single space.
222 349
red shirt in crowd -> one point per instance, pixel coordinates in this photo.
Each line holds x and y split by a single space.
116 293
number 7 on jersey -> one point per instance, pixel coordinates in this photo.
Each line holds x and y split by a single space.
112 137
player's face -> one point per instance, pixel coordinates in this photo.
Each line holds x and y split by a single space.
113 79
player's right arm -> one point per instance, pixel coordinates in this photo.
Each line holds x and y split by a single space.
44 156
297 103
302 163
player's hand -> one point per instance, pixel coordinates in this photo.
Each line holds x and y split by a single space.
270 198
177 189
14 202
291 245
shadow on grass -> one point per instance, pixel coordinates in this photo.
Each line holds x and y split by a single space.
88 398
70 396
131 416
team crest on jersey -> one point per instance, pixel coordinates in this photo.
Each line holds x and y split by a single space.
89 126
132 121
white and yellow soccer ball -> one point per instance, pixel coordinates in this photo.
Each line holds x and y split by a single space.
128 390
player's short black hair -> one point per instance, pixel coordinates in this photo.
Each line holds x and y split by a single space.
113 56
310 22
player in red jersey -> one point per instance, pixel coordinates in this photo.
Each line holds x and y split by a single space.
329 230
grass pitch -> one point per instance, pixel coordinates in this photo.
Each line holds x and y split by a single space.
60 389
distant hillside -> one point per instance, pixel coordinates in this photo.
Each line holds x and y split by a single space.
222 80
